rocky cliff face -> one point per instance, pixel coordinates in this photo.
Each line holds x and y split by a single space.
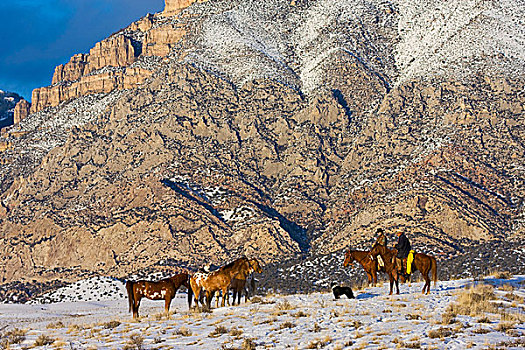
222 128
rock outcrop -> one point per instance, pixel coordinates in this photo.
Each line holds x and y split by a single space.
174 7
21 111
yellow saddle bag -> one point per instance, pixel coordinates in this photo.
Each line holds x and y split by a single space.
410 259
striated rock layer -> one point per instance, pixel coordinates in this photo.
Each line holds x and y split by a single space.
222 128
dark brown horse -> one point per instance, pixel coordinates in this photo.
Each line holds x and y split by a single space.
390 268
238 283
366 260
163 289
424 263
219 280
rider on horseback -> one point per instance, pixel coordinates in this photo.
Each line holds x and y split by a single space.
403 248
381 239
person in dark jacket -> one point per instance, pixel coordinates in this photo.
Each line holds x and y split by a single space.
403 248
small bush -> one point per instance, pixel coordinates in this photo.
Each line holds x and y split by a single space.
484 319
475 301
448 318
111 324
256 299
55 325
248 344
505 326
502 275
481 330
185 332
218 331
410 345
319 344
44 340
441 333
287 325
135 342
284 305
236 332
300 314
14 336
316 328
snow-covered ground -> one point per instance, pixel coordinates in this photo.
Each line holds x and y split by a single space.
374 320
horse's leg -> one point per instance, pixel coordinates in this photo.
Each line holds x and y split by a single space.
224 296
167 302
136 308
391 284
369 276
427 281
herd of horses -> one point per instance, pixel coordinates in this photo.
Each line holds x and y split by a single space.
202 286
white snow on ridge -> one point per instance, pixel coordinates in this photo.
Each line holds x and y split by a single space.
459 38
399 39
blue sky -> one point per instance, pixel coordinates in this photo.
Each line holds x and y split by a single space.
37 35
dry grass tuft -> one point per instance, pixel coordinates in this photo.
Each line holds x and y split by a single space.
502 275
185 332
111 324
481 330
448 317
410 345
505 326
441 333
319 343
284 305
256 299
55 325
248 344
235 332
218 331
135 342
43 340
300 314
475 301
287 324
14 336
484 319
316 328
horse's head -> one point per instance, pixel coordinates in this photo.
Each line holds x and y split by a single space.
255 267
349 259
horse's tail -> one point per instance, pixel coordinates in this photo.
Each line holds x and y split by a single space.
190 292
131 298
434 270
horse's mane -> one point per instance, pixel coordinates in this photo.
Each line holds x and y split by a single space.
230 265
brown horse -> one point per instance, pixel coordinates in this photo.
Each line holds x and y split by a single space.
219 279
424 263
390 268
366 260
238 283
163 289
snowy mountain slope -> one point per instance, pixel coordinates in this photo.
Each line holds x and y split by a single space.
398 40
373 320
460 38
